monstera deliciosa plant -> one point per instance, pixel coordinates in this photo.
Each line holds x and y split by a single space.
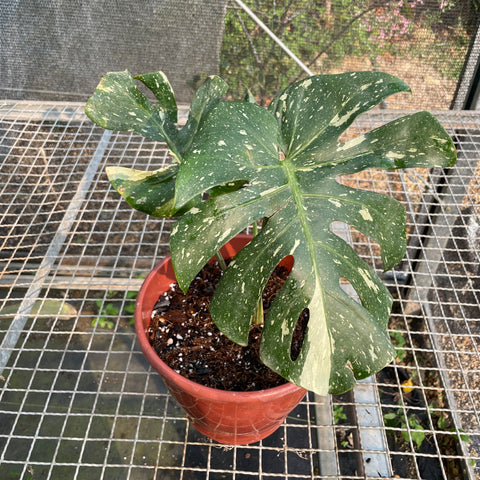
235 162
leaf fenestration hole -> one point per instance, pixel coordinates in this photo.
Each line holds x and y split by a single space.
366 248
299 334
347 287
278 277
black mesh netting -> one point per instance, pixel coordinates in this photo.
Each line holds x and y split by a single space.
57 49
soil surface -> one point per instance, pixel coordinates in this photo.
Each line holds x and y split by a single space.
185 337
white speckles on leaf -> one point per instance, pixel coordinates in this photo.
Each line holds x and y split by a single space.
268 192
352 143
224 235
285 329
366 277
275 253
365 214
338 121
318 359
295 246
335 202
394 155
103 88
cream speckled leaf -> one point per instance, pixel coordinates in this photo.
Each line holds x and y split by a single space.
280 164
148 192
118 104
299 193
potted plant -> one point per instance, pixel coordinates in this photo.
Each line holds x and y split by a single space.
236 164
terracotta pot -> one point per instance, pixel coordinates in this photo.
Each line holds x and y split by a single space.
233 418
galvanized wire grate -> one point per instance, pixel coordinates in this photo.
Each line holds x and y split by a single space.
78 400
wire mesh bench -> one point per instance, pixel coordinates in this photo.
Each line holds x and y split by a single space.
77 399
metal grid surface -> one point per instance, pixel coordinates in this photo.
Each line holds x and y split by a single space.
78 400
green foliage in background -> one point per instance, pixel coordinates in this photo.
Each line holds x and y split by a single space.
110 312
322 34
408 425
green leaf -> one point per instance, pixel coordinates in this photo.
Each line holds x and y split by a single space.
118 104
415 140
208 95
416 432
106 310
148 192
158 83
391 419
442 423
284 163
314 112
249 97
400 342
244 141
464 437
130 307
338 413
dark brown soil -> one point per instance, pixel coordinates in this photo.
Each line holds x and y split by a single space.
185 337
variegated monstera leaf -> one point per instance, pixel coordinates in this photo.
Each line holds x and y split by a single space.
282 164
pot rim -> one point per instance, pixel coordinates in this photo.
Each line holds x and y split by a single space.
184 382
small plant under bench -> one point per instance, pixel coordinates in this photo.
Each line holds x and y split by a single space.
237 164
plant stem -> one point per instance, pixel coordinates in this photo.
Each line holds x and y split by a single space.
254 229
258 317
221 261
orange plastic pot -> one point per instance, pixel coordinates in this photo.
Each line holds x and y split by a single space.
233 418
